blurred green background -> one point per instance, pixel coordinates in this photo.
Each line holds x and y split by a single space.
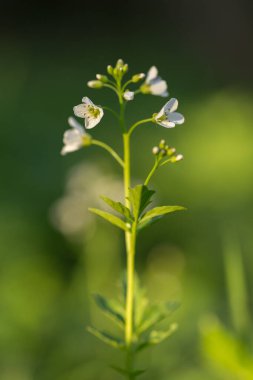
54 255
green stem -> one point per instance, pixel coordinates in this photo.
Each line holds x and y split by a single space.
152 171
112 111
132 128
109 150
130 238
111 87
126 84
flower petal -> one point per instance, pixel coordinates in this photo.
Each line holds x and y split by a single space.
159 88
87 101
152 74
176 118
171 106
166 124
80 110
128 95
72 140
74 124
91 122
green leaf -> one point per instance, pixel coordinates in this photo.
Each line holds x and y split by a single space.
160 211
111 309
140 302
110 218
157 336
140 197
107 338
125 373
148 222
119 207
160 335
155 314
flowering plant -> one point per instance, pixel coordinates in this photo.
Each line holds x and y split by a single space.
135 315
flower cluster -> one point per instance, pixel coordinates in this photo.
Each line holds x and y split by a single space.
153 84
165 151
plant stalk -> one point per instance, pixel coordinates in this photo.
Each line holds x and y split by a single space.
130 238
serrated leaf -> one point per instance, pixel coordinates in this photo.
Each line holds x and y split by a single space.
160 211
157 336
110 218
119 207
107 338
140 197
111 309
155 314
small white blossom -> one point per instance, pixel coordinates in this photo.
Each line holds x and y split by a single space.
167 117
73 138
154 84
128 95
89 112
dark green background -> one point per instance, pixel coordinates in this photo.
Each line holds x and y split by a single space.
49 51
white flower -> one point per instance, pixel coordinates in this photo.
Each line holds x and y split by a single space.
167 117
89 112
128 95
154 84
73 139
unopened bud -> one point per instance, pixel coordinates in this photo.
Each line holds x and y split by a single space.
102 78
177 158
155 150
119 63
162 144
170 151
137 77
128 95
125 68
95 84
110 69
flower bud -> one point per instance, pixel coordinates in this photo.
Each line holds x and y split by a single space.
120 63
177 158
125 68
137 77
110 69
170 151
162 144
102 78
155 150
128 95
95 84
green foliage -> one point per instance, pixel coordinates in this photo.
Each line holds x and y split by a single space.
126 373
107 338
119 207
140 198
225 352
110 218
147 317
112 309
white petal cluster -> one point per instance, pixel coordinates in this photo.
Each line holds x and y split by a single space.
128 95
167 117
73 138
154 84
91 113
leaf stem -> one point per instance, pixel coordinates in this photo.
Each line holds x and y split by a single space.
112 111
152 171
132 128
109 150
